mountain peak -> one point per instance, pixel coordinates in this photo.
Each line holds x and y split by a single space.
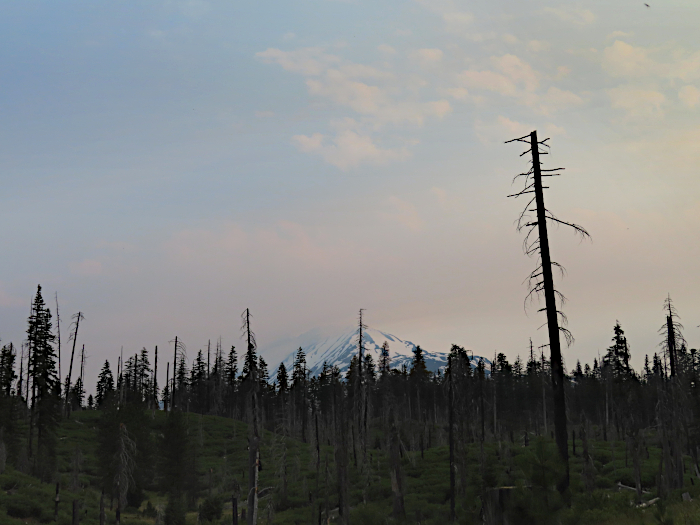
337 348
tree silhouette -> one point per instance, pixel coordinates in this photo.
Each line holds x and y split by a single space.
541 283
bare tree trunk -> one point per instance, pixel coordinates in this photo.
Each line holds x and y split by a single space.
450 400
58 333
76 513
102 508
74 335
560 429
341 459
253 462
56 500
154 383
397 484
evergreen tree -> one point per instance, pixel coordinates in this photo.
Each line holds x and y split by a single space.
384 360
44 378
10 405
282 379
105 385
419 370
299 370
7 369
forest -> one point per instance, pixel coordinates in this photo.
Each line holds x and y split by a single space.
216 444
523 442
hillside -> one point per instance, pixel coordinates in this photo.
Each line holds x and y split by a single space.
220 447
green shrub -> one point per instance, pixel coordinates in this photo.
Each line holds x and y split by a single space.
211 508
20 506
175 511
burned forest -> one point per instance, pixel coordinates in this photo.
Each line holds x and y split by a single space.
226 439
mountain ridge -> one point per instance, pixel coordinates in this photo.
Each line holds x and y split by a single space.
336 348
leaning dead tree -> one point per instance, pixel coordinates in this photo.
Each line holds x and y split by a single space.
73 337
541 283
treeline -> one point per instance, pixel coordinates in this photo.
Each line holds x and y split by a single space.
372 406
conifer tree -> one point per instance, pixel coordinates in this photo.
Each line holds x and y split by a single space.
45 401
384 360
282 380
105 385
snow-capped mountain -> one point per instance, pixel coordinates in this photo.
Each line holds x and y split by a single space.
338 348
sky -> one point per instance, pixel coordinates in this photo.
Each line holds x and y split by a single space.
165 165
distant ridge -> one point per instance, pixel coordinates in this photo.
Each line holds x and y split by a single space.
338 348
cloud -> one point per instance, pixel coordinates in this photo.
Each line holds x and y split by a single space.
289 36
624 60
458 93
537 46
576 15
689 95
405 213
557 99
490 81
87 267
311 61
515 77
617 34
377 96
456 20
8 300
365 89
229 247
637 102
518 70
386 49
502 129
427 56
264 114
348 149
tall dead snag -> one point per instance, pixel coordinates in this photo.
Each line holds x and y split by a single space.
124 460
254 428
672 335
541 282
58 337
450 404
397 481
73 337
360 390
670 414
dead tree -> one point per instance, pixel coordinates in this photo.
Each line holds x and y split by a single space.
179 350
541 282
58 334
124 460
254 428
450 404
74 337
672 333
361 403
397 481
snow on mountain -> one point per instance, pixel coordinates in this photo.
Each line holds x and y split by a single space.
338 348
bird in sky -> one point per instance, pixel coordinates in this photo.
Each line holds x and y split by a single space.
647 5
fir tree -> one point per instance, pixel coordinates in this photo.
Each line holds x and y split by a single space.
282 380
384 360
105 385
45 398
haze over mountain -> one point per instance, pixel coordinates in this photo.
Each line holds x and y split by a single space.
337 347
